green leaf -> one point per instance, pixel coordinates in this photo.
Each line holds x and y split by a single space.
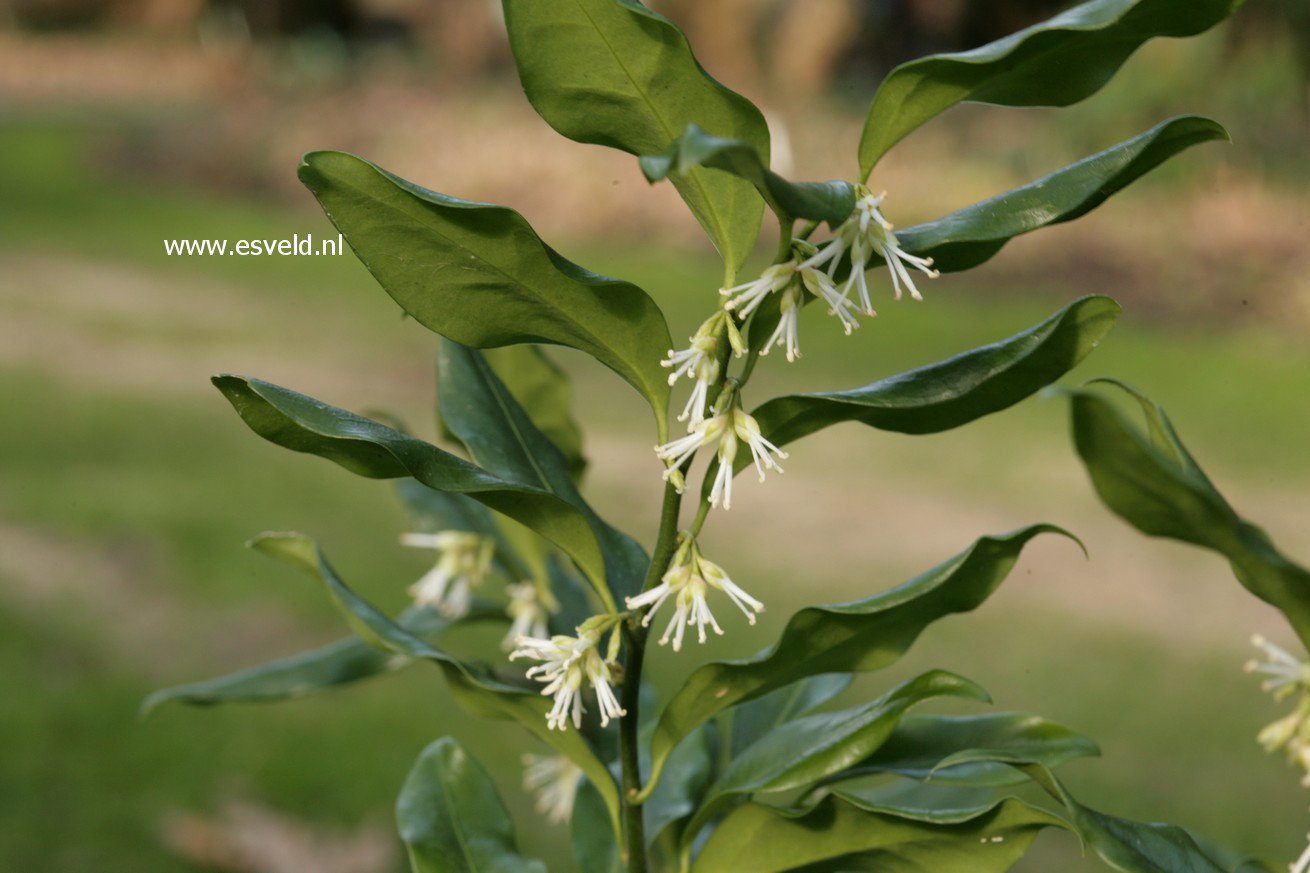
479 274
595 848
948 749
687 775
339 663
953 392
844 833
861 636
1151 481
801 753
476 691
1055 63
964 239
452 820
614 73
546 395
485 417
820 201
367 448
754 719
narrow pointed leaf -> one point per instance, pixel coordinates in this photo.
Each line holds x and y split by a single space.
367 448
803 752
595 847
820 201
949 749
754 719
964 239
476 691
861 636
452 819
339 663
843 833
953 392
614 73
1055 63
546 395
480 275
1151 481
478 408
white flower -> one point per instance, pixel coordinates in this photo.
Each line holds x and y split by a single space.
687 580
864 234
566 661
1285 672
463 560
1301 864
751 294
762 451
701 360
554 780
787 332
676 452
528 615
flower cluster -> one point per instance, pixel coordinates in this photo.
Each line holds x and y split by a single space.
686 582
554 779
702 361
1287 675
463 560
566 663
729 425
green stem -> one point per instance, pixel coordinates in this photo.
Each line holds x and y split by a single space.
785 225
634 635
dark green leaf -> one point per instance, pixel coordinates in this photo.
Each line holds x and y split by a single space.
340 663
819 201
862 636
688 773
1152 482
614 73
452 820
801 753
843 833
946 748
595 848
955 391
367 448
754 719
477 691
546 395
967 238
1054 63
478 274
478 408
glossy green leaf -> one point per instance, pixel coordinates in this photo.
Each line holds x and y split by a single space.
614 73
478 408
755 718
1055 63
964 239
546 395
452 820
480 275
953 392
682 787
949 749
595 848
820 201
844 833
1151 481
477 691
803 752
339 663
367 448
861 636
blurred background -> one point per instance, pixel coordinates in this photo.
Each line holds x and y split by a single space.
128 485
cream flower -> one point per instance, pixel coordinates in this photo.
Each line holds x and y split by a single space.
566 662
554 781
687 580
701 361
751 294
528 615
724 431
463 560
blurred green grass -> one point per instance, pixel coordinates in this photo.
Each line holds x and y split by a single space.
145 481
